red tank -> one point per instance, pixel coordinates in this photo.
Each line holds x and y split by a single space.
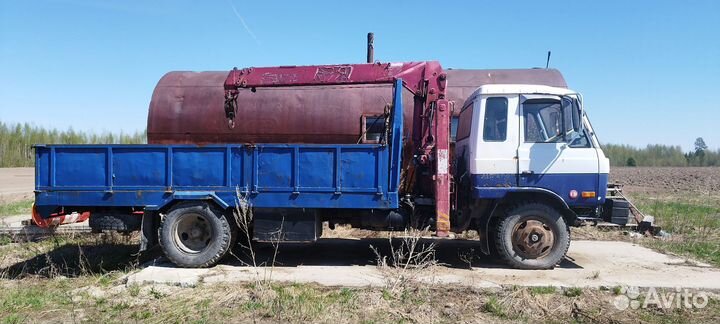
187 107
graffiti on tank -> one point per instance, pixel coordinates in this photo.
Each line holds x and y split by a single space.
275 78
335 73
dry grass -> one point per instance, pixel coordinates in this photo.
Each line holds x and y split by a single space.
59 300
407 258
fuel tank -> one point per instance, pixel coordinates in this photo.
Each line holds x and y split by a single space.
187 108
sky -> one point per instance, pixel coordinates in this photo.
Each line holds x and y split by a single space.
648 70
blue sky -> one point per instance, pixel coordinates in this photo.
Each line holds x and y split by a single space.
649 70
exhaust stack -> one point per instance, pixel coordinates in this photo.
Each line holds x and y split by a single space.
370 48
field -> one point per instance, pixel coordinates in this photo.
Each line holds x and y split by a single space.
85 278
668 181
685 202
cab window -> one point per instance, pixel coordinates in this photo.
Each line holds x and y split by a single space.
495 121
552 121
546 121
464 122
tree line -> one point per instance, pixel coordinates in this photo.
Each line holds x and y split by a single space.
16 141
659 155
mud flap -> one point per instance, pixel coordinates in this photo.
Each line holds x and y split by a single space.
148 231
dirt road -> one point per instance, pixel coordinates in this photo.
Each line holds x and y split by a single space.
16 184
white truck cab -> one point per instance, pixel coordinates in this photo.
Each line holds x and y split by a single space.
526 149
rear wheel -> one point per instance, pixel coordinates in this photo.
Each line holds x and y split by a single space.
195 235
532 236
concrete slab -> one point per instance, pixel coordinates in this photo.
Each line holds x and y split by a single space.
589 264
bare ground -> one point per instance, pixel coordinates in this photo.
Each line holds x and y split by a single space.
668 180
16 184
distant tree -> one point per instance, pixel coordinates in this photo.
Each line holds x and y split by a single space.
700 148
700 145
16 141
630 162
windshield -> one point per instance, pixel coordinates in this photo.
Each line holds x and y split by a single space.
551 120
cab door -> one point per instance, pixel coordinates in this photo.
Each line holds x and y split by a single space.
494 142
553 152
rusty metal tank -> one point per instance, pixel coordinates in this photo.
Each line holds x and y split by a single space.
187 107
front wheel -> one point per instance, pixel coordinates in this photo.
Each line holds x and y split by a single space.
532 236
195 235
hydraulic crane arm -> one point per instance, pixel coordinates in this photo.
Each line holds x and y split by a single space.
431 111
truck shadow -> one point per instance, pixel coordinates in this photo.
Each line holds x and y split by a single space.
457 253
87 258
73 260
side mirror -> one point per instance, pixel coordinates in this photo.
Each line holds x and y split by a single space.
577 114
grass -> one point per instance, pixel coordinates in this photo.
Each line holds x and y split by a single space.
99 256
680 215
705 251
494 307
102 297
693 222
573 292
543 290
22 207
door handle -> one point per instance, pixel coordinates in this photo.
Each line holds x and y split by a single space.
527 173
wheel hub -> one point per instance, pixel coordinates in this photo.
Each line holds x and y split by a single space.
532 238
192 233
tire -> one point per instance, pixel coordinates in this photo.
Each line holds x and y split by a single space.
196 235
115 222
532 235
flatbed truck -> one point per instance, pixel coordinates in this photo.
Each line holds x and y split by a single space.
526 165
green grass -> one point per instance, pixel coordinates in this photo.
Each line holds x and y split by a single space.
682 215
693 223
542 290
494 307
573 292
708 251
19 302
16 208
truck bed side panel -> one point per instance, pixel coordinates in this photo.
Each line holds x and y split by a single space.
268 175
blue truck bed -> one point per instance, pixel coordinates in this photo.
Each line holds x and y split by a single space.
365 176
268 175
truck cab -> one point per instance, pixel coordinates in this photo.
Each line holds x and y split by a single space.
528 145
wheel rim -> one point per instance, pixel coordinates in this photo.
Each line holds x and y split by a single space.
192 233
532 238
